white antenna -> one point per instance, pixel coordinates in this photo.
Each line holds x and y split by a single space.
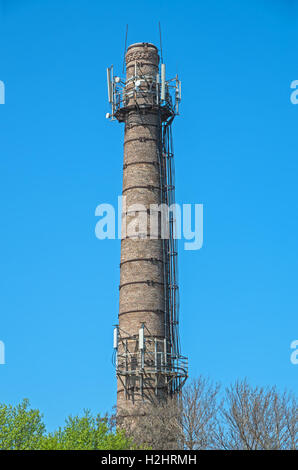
157 88
163 82
115 342
109 82
177 94
141 338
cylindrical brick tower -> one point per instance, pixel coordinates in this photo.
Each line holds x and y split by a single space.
142 265
146 341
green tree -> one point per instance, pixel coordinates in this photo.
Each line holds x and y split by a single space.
21 428
86 433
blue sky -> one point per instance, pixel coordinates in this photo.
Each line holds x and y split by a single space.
236 152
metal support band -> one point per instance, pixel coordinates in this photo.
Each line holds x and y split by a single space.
160 312
133 212
150 187
131 126
148 211
140 139
152 260
141 64
142 162
148 282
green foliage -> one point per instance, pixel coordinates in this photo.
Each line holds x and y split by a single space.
22 428
86 433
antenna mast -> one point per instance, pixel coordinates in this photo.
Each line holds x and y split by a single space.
160 43
125 45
